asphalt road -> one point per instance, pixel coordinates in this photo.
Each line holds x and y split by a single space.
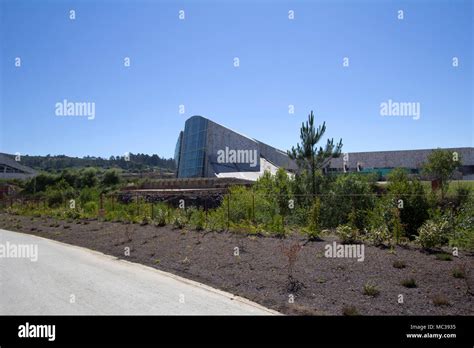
69 280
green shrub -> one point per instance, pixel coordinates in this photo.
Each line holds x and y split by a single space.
277 226
179 219
91 208
432 234
313 229
444 257
298 216
350 311
88 194
463 232
111 178
440 300
160 217
412 194
347 234
409 283
217 220
197 219
378 235
399 264
459 272
371 290
72 214
349 193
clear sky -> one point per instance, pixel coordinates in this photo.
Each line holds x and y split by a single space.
191 62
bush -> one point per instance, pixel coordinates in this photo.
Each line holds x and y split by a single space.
350 311
409 283
378 235
111 178
179 220
91 208
371 290
463 233
54 197
440 300
217 220
277 226
347 234
314 226
413 196
160 217
399 264
444 257
88 194
349 193
197 219
459 272
432 234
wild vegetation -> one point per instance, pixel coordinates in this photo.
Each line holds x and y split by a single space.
352 206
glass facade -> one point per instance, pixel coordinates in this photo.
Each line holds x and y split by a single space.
177 149
192 153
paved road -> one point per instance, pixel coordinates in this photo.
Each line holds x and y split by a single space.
68 280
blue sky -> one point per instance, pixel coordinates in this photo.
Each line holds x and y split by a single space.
190 62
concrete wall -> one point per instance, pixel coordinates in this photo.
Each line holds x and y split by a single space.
218 137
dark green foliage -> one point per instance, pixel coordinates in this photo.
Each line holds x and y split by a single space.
348 194
440 166
410 195
314 226
308 156
111 178
371 290
399 264
409 283
137 162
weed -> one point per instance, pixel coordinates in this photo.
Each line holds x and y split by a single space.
350 311
399 264
371 290
409 283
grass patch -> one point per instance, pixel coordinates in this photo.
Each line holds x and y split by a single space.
444 257
399 264
350 311
440 300
459 273
409 283
371 290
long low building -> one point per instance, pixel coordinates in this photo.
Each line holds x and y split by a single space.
382 162
11 169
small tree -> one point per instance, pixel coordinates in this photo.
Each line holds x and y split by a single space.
440 166
111 178
307 155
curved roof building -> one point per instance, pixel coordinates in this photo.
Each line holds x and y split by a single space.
207 149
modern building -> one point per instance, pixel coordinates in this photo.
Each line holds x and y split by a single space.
382 162
206 149
11 169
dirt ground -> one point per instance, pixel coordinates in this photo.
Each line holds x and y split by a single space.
318 286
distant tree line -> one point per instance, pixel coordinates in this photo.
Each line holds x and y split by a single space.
136 162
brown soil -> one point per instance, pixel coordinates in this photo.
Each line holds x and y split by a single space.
319 285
